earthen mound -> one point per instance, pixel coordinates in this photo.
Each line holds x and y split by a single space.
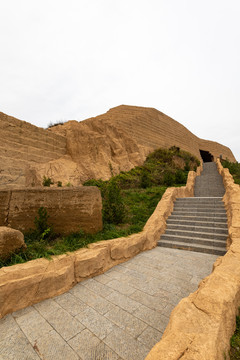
94 148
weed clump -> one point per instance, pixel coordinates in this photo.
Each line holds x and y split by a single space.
47 181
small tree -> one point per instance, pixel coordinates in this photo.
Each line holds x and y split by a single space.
43 229
113 206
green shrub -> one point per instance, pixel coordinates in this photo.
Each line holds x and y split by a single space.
41 221
187 166
42 229
113 207
235 342
47 181
234 169
168 178
59 184
145 180
99 183
180 177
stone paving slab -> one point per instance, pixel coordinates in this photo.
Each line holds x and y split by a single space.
118 315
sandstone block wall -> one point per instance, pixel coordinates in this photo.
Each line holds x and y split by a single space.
25 284
22 145
69 209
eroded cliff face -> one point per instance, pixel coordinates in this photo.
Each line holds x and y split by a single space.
119 140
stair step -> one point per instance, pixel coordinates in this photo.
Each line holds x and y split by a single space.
199 223
194 228
197 234
219 218
199 205
199 248
193 240
199 200
209 183
196 210
194 224
197 214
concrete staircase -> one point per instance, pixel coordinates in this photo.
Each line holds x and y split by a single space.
209 183
199 223
23 144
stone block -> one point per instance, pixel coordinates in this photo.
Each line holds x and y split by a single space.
90 262
25 284
69 209
11 241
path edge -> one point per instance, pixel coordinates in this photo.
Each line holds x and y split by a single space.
201 325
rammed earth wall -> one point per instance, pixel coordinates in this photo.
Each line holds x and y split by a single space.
201 325
69 209
23 145
25 284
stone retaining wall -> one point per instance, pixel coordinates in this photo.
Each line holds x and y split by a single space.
201 325
25 284
69 209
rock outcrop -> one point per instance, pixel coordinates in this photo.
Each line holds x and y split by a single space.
77 151
123 137
11 241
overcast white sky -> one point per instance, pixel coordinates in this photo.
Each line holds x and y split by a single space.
74 59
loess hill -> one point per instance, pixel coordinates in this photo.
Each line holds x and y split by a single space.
74 152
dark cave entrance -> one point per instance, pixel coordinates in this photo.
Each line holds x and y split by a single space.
206 156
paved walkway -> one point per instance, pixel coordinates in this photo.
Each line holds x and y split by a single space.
118 315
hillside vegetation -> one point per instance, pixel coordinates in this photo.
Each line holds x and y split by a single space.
129 199
234 169
234 353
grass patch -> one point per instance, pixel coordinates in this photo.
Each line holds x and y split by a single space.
139 207
129 199
234 169
235 342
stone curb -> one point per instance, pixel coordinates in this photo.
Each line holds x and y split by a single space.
201 325
25 284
